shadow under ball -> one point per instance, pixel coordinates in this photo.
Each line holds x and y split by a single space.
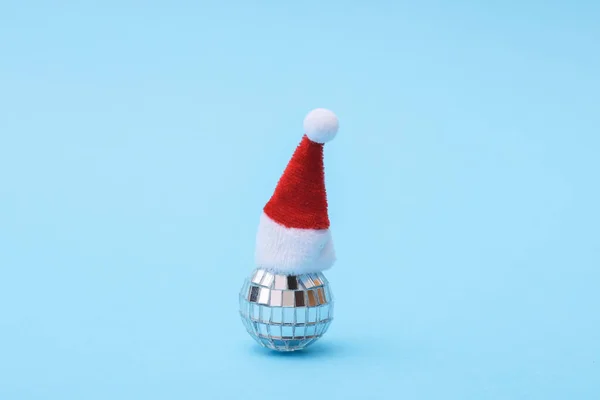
286 312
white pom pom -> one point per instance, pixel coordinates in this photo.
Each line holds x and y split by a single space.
321 125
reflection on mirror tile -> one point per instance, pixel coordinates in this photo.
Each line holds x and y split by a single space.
275 330
280 282
306 281
268 279
277 315
263 296
301 315
324 312
276 298
321 294
318 329
300 331
312 314
262 329
289 315
288 298
287 331
258 276
312 298
299 298
253 294
292 282
254 311
316 279
265 314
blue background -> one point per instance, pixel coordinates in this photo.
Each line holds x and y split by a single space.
140 140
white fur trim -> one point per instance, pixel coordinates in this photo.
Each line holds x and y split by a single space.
291 250
321 125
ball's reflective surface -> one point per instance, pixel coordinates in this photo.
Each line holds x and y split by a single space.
286 312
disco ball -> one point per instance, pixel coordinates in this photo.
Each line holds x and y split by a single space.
286 312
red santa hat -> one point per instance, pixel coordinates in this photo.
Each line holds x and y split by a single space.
293 233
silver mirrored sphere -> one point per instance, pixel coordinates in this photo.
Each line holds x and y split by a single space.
286 312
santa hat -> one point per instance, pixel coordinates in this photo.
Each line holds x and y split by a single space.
293 234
